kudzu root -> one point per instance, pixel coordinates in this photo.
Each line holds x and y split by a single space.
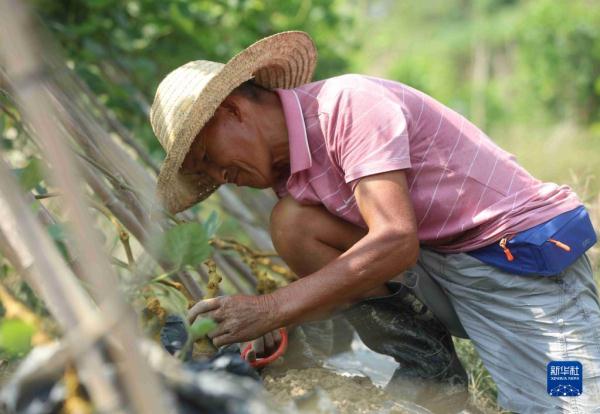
154 316
252 257
212 287
204 347
266 284
282 270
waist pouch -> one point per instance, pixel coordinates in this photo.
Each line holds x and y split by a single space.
544 250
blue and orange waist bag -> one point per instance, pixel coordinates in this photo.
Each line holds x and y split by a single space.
544 250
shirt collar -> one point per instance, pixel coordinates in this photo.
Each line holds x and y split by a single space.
300 158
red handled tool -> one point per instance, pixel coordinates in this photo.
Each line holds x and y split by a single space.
261 362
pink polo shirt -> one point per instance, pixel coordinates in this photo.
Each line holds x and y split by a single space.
466 191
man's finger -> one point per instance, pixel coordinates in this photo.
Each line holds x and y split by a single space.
201 307
276 336
269 343
224 339
220 330
215 315
259 346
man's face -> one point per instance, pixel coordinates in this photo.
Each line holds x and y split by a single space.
231 148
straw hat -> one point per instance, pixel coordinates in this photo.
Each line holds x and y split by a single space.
188 97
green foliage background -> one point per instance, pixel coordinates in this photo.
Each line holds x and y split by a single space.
124 48
526 71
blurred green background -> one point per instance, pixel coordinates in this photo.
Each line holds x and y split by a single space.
527 72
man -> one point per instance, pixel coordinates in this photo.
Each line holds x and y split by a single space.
376 180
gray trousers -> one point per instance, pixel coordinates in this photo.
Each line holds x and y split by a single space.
518 324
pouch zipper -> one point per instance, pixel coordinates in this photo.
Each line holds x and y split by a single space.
560 244
506 250
509 255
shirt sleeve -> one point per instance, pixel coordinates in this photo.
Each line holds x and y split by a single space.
368 135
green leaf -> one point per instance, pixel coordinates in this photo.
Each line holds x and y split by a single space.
172 300
185 244
15 336
31 175
180 18
202 327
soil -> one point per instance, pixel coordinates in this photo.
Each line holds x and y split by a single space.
322 390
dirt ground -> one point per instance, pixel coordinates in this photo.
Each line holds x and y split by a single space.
317 390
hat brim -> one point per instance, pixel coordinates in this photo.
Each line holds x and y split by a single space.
284 60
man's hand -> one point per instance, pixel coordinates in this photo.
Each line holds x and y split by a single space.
240 317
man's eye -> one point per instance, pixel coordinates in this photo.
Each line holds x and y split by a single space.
205 158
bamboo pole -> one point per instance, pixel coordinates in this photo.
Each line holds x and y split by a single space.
95 179
123 214
129 220
142 228
124 173
190 284
230 201
234 206
128 210
93 172
142 386
244 271
29 248
97 143
113 123
231 274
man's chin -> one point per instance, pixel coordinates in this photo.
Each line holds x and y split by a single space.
262 182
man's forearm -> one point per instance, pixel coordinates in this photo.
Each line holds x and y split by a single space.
367 265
